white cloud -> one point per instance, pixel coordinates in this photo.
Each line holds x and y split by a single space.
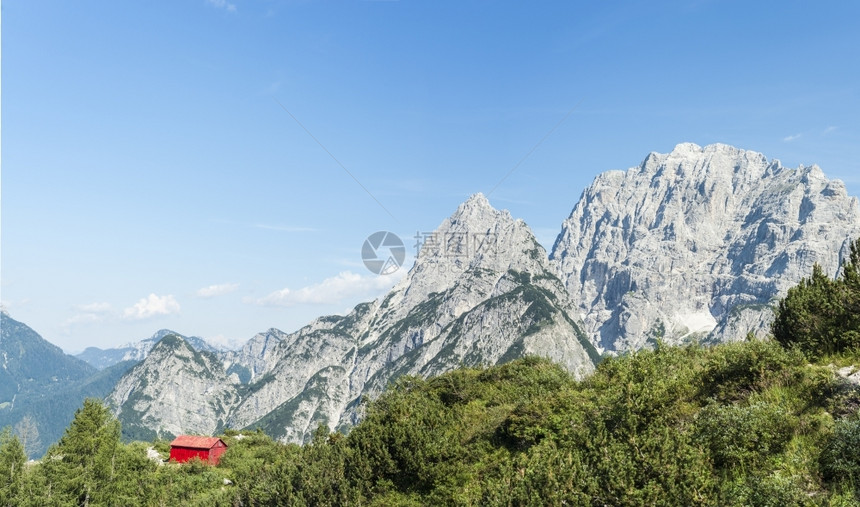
332 290
829 130
217 290
83 318
223 4
89 313
794 137
151 306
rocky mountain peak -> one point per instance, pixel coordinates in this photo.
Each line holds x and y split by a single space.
476 238
697 242
478 199
183 389
477 210
482 290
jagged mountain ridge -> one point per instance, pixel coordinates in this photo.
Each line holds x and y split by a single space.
489 297
137 351
458 305
698 244
691 245
175 389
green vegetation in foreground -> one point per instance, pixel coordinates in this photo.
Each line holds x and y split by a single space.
750 423
743 424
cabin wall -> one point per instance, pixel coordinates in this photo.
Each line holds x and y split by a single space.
215 454
183 454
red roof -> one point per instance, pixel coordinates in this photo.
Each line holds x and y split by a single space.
195 442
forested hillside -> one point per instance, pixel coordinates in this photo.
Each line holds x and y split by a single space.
41 387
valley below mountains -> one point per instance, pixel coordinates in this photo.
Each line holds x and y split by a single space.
696 245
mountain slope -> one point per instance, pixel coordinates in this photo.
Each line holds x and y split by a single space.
482 291
176 389
41 387
697 244
29 362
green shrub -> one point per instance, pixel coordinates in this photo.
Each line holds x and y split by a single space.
744 436
734 371
840 458
821 316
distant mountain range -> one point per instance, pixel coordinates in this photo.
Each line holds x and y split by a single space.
136 351
691 246
491 299
41 387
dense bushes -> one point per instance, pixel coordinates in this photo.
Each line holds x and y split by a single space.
840 459
740 424
744 435
821 316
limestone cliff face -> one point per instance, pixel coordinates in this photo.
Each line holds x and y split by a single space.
482 291
692 245
256 357
176 389
698 244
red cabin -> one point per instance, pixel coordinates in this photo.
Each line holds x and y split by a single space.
185 447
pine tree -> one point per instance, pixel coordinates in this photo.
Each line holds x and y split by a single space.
12 460
822 316
81 467
851 295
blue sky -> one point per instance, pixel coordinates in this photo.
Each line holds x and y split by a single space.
151 178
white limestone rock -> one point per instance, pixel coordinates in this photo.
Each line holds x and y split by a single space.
481 291
176 389
698 244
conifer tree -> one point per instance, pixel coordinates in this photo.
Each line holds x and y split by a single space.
81 467
822 316
12 460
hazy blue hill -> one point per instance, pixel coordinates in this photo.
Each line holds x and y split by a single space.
41 387
53 410
30 362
